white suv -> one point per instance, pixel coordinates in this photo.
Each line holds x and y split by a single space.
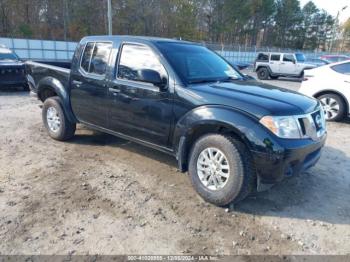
274 65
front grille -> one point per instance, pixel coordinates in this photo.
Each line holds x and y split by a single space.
11 73
312 125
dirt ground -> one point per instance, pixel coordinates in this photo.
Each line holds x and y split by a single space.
98 194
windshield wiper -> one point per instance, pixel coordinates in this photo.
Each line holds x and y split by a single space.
230 78
198 81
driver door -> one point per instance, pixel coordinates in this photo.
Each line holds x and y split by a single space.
139 109
288 65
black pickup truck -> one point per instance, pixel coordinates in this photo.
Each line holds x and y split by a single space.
232 134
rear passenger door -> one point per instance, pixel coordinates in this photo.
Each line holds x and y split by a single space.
275 63
89 95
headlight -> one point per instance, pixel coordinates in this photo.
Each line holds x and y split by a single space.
282 126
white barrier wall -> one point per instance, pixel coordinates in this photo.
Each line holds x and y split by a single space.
40 49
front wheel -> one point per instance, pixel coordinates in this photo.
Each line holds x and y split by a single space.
333 106
57 124
221 169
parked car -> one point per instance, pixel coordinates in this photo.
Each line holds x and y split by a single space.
275 64
231 134
12 71
335 58
331 85
316 62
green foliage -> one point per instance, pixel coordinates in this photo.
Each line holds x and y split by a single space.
280 23
25 30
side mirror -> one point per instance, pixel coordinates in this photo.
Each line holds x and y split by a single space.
294 61
151 76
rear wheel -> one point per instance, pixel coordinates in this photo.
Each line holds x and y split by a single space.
57 124
263 73
221 169
333 106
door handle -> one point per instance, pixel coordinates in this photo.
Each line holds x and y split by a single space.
77 83
113 90
347 81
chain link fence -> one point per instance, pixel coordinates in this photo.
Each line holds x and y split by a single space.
247 54
40 49
61 50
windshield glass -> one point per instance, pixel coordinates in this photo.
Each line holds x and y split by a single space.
300 57
195 63
8 56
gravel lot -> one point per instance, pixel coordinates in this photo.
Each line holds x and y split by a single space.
98 194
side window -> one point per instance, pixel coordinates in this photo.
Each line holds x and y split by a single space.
135 58
85 60
99 59
263 57
275 57
288 58
95 58
342 69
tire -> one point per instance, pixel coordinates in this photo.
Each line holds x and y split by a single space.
263 73
334 106
274 77
241 176
56 123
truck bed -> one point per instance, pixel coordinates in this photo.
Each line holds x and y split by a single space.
37 72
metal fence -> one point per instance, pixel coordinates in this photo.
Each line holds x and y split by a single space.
60 50
246 54
40 49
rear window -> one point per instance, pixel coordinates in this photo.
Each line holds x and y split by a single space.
275 57
342 69
95 57
85 60
263 57
99 59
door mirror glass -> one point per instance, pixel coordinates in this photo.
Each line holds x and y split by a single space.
149 76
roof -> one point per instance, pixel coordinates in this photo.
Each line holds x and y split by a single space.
137 38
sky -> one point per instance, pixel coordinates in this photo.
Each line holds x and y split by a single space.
332 7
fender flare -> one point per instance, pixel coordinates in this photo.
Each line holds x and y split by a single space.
241 124
56 86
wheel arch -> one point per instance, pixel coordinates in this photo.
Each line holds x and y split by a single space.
206 120
49 87
332 91
264 66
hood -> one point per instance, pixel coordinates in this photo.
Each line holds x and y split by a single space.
254 98
10 63
307 64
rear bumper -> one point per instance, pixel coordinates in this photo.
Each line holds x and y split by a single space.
292 160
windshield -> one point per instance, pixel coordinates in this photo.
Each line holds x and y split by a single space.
8 56
195 63
300 57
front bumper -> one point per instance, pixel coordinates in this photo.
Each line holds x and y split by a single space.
16 82
295 157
